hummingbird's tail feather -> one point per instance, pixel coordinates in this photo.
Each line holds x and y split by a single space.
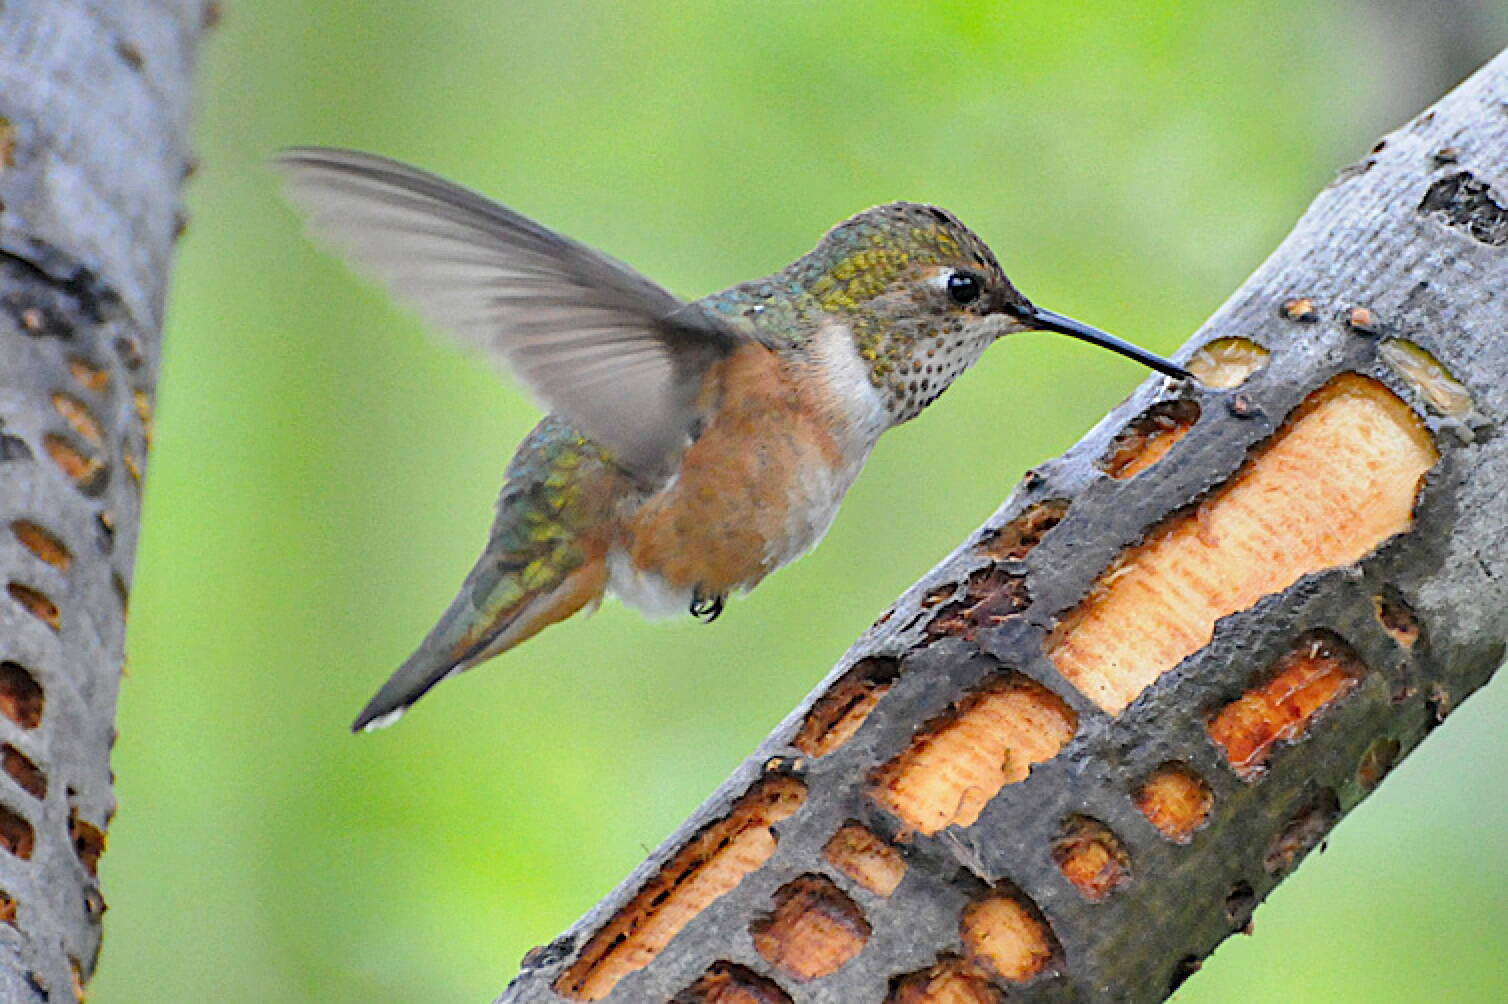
546 558
470 632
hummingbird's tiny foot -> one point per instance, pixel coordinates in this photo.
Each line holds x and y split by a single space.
704 609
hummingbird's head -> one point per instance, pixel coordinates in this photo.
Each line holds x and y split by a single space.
921 294
923 297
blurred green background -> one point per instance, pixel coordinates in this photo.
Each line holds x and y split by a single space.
324 470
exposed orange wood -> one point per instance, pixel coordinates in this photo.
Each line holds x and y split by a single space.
1336 481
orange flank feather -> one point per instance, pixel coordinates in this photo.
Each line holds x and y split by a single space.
723 522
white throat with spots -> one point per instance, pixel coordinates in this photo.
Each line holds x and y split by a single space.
919 376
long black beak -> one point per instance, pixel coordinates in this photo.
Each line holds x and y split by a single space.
1047 320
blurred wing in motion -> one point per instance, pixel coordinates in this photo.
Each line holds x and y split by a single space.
615 353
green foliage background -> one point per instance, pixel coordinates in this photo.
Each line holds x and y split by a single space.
324 470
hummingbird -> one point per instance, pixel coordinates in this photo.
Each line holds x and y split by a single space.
691 447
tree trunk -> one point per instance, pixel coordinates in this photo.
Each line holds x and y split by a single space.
94 114
1079 753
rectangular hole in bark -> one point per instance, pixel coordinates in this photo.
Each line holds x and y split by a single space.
1336 481
1092 857
729 983
13 449
89 473
961 760
104 524
1175 800
1149 437
16 834
1375 763
950 981
1302 833
1015 540
813 929
21 697
1008 934
37 603
838 713
87 375
991 595
41 542
710 865
861 855
88 841
1319 670
143 403
23 771
79 418
1460 200
1419 369
1397 619
1227 362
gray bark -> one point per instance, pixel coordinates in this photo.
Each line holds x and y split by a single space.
1417 233
94 117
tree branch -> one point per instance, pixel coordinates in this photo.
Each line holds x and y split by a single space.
1076 756
94 110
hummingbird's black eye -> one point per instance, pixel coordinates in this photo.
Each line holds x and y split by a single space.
964 287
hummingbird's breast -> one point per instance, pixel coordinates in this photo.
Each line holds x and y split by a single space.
786 436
